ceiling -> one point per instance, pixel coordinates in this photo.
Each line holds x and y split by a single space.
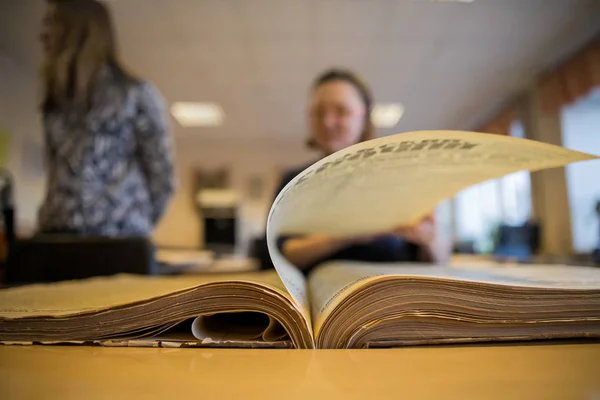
451 64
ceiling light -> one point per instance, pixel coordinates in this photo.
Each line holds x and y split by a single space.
198 114
217 198
445 1
387 115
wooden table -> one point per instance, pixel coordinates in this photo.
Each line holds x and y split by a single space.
542 371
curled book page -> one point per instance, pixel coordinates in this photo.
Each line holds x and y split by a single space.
396 180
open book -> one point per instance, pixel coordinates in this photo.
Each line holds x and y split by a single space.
369 187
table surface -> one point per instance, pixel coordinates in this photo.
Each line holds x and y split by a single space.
548 371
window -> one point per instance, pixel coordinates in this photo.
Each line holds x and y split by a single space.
479 209
581 131
515 190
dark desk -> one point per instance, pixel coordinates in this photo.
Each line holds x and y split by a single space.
50 258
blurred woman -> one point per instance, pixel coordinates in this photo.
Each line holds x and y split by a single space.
108 148
340 116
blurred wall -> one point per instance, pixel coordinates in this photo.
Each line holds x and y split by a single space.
19 117
248 161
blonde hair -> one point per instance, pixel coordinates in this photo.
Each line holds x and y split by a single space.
86 44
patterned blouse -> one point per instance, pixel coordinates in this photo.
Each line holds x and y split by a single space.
110 170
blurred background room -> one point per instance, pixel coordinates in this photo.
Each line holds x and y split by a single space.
235 75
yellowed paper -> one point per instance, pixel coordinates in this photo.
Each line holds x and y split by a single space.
396 180
123 308
329 285
540 276
291 277
74 297
333 282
